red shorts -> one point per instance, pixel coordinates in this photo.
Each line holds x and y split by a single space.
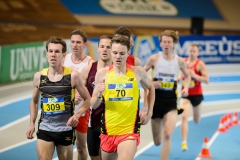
83 122
110 143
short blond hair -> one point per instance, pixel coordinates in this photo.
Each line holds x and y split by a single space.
170 33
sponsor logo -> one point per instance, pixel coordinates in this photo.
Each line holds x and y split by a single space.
139 7
120 86
68 139
52 100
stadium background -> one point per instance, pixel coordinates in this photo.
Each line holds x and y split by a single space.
25 25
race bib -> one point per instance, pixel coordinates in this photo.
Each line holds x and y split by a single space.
192 84
53 106
166 84
120 92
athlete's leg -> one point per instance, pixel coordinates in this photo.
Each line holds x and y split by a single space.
109 156
93 143
65 152
127 149
185 104
169 123
45 149
197 113
157 130
81 145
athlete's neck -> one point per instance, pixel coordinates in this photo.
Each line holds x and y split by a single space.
191 60
103 64
54 71
168 56
76 58
120 71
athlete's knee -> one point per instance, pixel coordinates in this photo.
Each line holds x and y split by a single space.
197 119
157 141
166 136
81 147
184 118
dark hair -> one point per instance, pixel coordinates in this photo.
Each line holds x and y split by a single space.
80 33
122 40
57 40
123 31
104 37
170 33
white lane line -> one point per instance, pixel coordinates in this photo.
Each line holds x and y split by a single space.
17 145
220 93
15 100
210 143
222 102
17 121
13 86
189 119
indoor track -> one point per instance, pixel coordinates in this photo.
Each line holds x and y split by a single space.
222 96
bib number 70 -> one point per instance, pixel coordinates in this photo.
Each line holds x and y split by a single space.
121 92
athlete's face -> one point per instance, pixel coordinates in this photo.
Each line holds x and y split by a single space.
119 54
104 49
167 44
77 44
193 52
54 54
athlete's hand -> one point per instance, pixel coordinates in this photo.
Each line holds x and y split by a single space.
144 118
73 121
192 73
184 92
101 88
30 132
156 84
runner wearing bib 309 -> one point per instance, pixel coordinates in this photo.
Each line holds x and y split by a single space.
56 85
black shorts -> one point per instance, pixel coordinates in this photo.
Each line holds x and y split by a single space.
93 141
195 99
160 108
64 138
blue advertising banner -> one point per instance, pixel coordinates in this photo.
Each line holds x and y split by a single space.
152 8
213 49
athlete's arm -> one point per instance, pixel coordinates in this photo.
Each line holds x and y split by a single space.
34 105
183 68
146 82
204 74
77 83
151 62
85 72
137 61
99 87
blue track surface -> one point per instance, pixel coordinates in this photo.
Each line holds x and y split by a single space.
197 133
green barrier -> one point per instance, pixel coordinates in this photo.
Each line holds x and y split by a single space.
18 63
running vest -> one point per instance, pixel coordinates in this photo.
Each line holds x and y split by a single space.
195 87
166 71
76 66
130 60
57 102
95 114
121 98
